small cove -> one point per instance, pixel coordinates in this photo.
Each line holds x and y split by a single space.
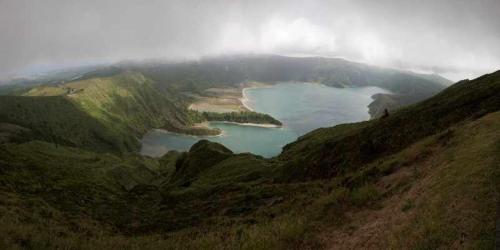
302 107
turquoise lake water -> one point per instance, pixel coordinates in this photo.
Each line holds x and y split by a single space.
301 107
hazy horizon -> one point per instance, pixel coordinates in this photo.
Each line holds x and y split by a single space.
455 39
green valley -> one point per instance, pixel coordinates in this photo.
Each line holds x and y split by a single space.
423 177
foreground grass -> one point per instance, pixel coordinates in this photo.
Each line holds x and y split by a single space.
458 207
446 199
440 193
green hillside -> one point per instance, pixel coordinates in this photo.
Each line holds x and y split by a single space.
425 177
58 120
127 102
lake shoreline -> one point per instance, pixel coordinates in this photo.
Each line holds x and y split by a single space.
244 98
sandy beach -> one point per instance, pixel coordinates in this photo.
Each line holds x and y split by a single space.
223 100
244 99
219 100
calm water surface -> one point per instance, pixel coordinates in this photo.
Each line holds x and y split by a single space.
301 107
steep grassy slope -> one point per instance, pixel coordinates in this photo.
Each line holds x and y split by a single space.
75 182
127 102
56 119
328 152
110 189
439 193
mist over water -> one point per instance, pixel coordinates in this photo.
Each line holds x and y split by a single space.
302 107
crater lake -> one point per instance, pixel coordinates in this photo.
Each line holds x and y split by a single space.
301 107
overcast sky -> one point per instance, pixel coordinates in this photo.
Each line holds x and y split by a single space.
455 38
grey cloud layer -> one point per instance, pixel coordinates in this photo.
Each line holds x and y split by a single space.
456 38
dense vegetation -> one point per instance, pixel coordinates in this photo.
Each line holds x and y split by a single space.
241 117
425 177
